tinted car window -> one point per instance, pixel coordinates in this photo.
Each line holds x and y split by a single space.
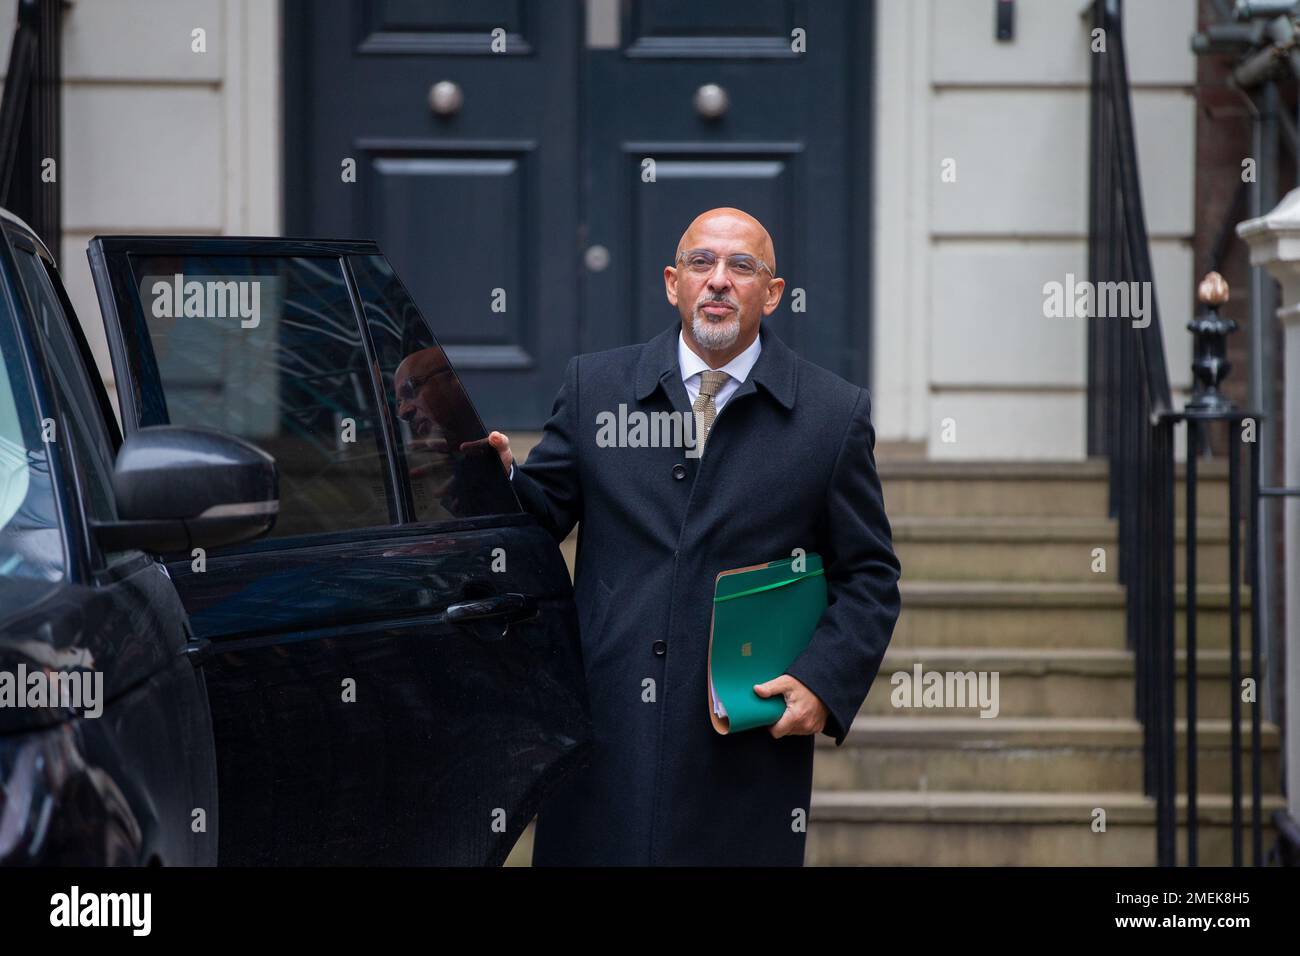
31 543
80 418
451 469
268 348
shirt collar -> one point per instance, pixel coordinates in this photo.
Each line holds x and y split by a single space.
738 368
777 368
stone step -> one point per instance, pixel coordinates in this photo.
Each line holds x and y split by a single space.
1038 549
1043 682
1026 753
1045 615
1026 489
983 828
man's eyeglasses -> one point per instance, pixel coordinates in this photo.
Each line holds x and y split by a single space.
410 387
741 265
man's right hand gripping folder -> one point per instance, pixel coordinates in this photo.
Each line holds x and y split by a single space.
763 617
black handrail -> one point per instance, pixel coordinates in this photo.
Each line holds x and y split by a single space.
1129 396
1118 247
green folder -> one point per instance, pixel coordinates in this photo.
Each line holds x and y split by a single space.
763 617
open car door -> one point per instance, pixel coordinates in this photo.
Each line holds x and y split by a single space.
394 671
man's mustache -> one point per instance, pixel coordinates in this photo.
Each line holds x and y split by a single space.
718 300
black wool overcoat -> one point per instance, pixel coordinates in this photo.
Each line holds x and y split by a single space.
789 464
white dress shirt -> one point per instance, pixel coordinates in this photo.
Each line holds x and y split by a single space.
737 369
691 365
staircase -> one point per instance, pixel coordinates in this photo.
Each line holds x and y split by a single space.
998 576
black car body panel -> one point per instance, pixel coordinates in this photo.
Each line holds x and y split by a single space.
119 786
451 722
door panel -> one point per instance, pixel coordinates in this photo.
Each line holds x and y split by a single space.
687 28
688 183
358 717
453 727
477 207
489 194
440 26
768 153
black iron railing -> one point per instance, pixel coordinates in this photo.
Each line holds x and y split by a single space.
1132 422
1127 402
30 117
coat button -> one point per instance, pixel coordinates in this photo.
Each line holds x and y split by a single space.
661 648
679 471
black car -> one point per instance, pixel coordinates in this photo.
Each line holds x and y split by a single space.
321 627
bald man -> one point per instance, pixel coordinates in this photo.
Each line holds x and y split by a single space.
781 458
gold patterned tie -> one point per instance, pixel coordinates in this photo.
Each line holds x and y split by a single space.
705 410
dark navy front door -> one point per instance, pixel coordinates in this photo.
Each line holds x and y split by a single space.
471 190
528 165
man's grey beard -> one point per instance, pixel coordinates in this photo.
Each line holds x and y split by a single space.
715 334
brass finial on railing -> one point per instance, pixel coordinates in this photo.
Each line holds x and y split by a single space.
1210 365
1213 290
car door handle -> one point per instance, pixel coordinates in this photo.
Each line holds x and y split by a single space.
198 650
512 607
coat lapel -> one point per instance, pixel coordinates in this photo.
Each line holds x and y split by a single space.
775 370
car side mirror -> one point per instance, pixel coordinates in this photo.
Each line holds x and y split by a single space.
182 488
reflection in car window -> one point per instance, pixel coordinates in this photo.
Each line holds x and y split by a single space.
80 409
268 348
453 472
31 544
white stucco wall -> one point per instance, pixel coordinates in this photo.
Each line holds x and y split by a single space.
960 266
158 138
